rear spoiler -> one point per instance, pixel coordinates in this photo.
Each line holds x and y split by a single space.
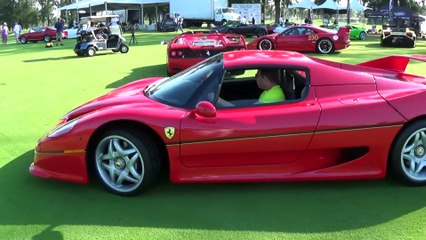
393 63
343 31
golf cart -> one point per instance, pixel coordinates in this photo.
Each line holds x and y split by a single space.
98 33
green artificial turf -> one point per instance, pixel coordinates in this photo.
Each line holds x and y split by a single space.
38 85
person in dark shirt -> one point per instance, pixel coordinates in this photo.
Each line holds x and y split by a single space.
59 25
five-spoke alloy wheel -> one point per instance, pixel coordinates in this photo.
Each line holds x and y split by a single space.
408 155
325 46
126 162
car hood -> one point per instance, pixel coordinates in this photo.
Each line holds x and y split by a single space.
128 94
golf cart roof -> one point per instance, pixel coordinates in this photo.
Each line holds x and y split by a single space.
101 18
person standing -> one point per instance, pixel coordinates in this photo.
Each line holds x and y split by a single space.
4 31
280 21
59 25
17 29
180 23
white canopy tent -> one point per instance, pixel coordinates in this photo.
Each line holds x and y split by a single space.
357 6
329 4
306 4
105 5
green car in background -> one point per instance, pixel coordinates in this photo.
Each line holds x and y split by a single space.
357 33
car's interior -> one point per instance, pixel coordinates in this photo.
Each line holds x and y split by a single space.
240 89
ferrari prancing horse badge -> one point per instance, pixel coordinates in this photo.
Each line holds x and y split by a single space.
169 132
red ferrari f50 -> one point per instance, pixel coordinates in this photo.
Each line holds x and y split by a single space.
338 122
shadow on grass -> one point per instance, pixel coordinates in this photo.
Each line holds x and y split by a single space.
139 73
300 207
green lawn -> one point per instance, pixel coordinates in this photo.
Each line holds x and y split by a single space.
38 85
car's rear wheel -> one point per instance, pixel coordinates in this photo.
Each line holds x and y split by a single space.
47 38
23 40
362 36
408 155
265 44
126 162
261 32
230 31
124 48
325 45
90 51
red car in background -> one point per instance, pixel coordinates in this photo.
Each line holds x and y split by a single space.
45 34
190 48
304 38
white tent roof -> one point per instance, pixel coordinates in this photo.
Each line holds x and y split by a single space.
329 4
357 6
307 4
78 5
91 3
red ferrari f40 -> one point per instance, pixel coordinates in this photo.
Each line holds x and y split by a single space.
304 38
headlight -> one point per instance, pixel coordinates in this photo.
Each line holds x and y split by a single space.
62 129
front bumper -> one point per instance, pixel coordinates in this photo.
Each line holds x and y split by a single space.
66 166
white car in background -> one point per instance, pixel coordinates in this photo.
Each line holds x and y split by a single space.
72 32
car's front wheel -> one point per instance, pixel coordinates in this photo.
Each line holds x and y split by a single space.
23 40
408 154
362 36
126 161
325 45
265 44
124 48
47 38
90 51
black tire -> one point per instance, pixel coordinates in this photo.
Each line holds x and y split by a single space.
80 54
261 32
325 46
265 44
124 48
23 40
126 162
230 31
413 45
90 51
362 36
408 153
47 38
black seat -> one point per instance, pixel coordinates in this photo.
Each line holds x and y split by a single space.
287 85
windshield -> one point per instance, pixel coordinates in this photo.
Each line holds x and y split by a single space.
187 88
228 10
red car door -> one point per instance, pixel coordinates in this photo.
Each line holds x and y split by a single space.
297 39
260 135
38 35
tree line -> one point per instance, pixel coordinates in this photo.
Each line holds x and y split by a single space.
36 12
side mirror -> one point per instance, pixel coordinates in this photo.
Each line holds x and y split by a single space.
205 109
164 42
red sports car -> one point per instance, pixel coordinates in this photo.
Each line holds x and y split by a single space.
304 38
190 48
338 122
40 34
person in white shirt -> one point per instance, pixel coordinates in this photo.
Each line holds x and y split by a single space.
17 29
243 20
